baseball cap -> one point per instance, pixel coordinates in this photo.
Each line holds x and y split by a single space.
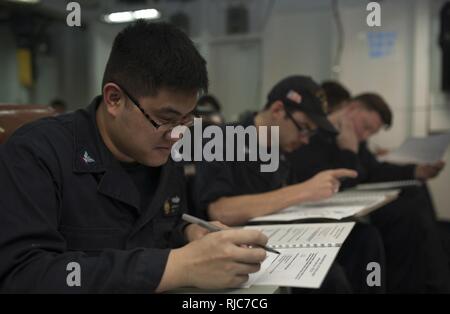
305 94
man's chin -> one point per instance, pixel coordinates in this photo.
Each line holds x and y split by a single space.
158 157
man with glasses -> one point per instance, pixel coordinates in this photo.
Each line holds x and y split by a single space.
91 201
164 127
235 192
361 118
298 113
415 256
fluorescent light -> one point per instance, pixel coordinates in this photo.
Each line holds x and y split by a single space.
130 16
149 14
25 1
119 17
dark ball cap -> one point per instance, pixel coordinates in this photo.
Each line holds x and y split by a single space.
303 94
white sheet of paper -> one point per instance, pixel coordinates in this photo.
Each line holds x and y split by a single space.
426 150
370 193
338 207
307 253
386 185
306 235
302 268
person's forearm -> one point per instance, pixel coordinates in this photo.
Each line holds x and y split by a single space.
138 270
238 210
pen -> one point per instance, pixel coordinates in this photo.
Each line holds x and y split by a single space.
213 228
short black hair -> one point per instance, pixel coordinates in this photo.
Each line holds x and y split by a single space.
336 94
58 103
148 56
375 102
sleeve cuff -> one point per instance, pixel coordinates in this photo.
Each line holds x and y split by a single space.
150 268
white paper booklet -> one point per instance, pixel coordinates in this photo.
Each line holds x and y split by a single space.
342 205
307 253
378 186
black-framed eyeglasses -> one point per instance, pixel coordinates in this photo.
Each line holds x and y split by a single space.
188 121
303 130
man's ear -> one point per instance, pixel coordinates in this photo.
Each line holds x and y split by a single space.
277 109
113 98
